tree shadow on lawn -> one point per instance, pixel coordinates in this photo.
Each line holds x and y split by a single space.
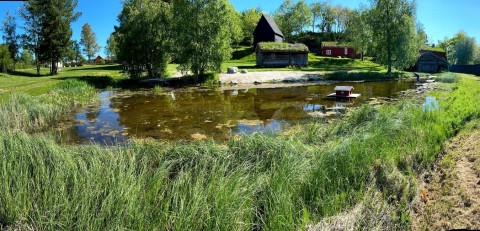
28 74
97 68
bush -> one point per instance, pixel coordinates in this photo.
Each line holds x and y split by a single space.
448 78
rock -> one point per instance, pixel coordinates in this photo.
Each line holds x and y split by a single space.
257 82
244 71
232 70
233 82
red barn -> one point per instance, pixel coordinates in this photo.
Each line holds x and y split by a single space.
334 49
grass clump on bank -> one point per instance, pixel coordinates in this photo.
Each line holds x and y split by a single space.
254 182
448 78
24 112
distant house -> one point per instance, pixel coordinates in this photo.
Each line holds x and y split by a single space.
273 54
98 59
267 31
431 61
335 49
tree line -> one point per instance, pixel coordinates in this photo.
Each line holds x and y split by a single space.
47 36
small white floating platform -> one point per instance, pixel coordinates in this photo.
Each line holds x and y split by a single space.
334 95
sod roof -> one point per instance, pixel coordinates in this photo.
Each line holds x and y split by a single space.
283 47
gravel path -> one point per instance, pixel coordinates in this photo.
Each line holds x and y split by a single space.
271 77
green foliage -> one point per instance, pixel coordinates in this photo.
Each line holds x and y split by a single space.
151 51
250 19
293 17
89 41
202 34
358 31
111 50
11 38
5 59
395 41
465 50
50 32
448 78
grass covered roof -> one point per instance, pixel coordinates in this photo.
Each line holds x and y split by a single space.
282 47
335 44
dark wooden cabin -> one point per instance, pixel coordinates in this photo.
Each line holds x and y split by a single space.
272 54
267 31
334 49
431 62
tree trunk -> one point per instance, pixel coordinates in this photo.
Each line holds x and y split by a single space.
37 65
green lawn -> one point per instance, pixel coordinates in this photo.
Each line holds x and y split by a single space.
244 58
27 81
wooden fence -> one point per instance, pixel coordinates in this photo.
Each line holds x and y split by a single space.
466 69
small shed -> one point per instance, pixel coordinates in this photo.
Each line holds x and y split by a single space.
273 54
267 31
431 62
335 49
343 90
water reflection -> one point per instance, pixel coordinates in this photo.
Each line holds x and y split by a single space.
204 112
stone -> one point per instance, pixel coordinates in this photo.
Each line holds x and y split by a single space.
232 70
244 71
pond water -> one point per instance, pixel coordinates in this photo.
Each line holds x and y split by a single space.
199 113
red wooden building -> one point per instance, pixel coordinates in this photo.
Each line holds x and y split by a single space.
334 49
343 90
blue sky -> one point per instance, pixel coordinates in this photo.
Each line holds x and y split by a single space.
439 17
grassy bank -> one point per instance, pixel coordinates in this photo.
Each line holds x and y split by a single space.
244 58
255 182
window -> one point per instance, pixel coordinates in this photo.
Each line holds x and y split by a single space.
272 56
329 52
346 51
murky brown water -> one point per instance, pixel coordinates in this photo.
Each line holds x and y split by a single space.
199 113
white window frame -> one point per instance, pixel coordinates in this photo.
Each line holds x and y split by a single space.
346 50
328 52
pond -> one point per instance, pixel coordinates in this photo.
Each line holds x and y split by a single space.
200 113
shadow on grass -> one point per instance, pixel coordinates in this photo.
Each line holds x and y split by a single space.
242 53
98 68
27 74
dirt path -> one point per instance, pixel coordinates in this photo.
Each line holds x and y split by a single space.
450 196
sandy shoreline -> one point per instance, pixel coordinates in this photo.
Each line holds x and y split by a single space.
270 77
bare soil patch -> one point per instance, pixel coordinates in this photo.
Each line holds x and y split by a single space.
449 197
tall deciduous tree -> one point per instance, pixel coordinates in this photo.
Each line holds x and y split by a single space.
358 32
465 50
89 41
395 41
11 38
144 37
111 50
250 18
202 34
316 9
